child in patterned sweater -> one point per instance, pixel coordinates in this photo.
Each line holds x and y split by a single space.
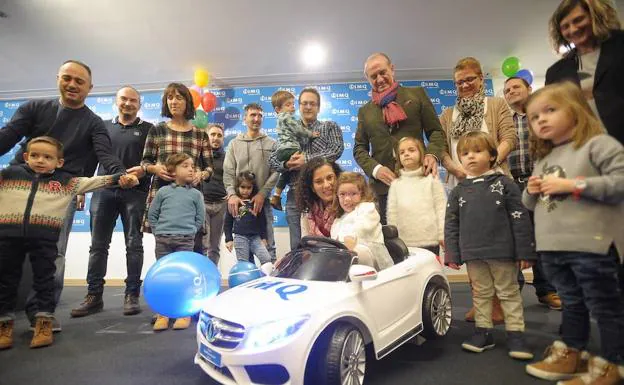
33 201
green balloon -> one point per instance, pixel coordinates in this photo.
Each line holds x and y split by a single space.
201 119
511 65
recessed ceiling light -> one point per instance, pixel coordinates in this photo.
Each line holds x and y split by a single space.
313 55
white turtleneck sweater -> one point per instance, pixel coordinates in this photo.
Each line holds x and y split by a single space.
416 206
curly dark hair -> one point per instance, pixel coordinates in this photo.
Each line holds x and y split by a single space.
305 196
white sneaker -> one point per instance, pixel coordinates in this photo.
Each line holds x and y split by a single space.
267 268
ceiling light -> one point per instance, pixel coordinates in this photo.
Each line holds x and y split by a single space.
313 55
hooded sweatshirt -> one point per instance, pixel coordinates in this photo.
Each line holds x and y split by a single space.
250 154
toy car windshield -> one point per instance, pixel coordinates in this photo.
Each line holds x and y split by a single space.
315 260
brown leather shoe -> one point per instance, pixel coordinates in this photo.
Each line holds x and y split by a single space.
601 372
6 334
92 304
551 300
559 363
43 333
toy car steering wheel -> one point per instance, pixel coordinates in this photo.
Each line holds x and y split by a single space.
313 241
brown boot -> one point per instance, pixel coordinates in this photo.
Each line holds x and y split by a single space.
601 372
6 334
551 300
43 333
497 312
559 363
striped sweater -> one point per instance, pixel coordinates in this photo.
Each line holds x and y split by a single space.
34 205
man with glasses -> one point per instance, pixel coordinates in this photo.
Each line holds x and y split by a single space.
250 151
393 113
329 145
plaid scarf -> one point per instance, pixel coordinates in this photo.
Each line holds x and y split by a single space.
320 220
393 113
471 112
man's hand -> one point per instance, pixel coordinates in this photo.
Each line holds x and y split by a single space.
296 161
555 185
430 164
258 202
161 171
136 170
233 203
264 242
229 245
534 186
385 175
453 265
80 202
128 181
525 264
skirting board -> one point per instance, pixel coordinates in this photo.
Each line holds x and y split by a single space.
453 278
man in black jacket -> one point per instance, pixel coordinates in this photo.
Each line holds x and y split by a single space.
128 133
82 133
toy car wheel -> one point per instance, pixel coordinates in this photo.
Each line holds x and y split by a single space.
436 311
345 362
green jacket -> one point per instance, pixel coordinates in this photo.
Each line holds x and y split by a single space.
375 140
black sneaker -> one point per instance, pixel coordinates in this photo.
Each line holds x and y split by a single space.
480 341
92 304
131 305
56 325
517 346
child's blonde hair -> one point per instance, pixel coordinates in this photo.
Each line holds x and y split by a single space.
477 140
280 97
570 97
421 149
360 182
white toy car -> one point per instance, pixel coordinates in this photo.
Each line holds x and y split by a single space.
319 314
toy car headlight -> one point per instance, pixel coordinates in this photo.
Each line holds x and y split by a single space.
270 332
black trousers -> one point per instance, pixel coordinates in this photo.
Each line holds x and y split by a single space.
42 254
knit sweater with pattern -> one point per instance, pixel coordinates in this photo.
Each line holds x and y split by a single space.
34 205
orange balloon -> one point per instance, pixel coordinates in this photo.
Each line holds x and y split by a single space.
196 98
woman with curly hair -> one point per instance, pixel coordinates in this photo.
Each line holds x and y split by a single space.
315 193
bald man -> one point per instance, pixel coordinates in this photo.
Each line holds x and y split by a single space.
393 113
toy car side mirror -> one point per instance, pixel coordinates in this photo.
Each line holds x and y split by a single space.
360 273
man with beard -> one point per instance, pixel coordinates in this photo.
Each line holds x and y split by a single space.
128 133
82 133
214 196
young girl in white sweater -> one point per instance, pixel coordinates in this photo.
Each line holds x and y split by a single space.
416 203
357 222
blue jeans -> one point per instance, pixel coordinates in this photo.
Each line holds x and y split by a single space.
246 245
293 218
587 283
268 214
106 206
31 308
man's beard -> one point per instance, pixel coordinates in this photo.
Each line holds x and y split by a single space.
127 116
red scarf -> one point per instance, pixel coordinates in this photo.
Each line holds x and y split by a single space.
393 113
320 220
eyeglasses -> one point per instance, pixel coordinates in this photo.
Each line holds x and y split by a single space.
469 79
309 104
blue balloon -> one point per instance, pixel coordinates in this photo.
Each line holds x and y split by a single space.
526 75
243 272
179 284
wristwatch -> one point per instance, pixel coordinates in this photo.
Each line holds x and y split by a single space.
580 184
